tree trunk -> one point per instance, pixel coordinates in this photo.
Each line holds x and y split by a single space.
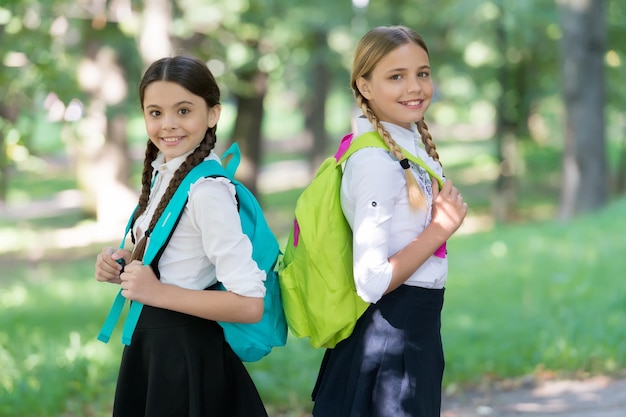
620 175
504 200
4 171
585 173
103 160
247 130
154 39
8 113
315 110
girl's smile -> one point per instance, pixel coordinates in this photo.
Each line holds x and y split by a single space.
176 119
399 89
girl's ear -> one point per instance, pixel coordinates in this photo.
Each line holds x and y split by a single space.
214 115
364 87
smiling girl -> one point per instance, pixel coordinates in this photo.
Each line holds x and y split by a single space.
392 364
179 363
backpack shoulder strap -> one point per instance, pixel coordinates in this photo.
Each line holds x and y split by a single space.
164 228
168 220
158 239
118 304
373 139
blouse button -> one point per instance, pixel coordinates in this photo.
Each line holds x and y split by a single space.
374 204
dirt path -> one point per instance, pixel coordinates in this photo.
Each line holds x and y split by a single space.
595 397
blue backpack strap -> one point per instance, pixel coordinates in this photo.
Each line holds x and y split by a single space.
164 228
112 318
118 303
235 154
131 322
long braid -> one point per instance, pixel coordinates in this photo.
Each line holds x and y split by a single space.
146 181
193 75
417 199
427 140
197 156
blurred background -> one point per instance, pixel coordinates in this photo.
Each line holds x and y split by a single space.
529 118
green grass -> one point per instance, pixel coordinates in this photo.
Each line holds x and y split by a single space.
39 183
520 299
538 296
50 360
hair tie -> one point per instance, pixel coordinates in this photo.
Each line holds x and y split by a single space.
405 163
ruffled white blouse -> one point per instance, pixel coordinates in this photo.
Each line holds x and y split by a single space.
208 243
375 202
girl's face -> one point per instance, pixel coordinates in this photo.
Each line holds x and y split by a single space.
399 89
176 119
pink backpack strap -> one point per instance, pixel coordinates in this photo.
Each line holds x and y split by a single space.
343 146
442 251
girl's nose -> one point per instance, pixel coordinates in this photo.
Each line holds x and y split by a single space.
414 84
169 121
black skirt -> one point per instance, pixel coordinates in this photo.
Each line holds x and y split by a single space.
392 364
180 366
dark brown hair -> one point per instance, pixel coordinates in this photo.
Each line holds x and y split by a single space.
192 74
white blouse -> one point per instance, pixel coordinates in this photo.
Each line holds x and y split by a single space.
208 243
375 202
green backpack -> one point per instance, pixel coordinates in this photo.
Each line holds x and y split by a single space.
316 271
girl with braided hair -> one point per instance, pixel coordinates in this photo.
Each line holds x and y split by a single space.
392 364
179 363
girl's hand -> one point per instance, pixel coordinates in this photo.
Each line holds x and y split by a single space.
139 283
449 209
108 267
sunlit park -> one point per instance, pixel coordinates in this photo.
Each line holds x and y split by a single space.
529 120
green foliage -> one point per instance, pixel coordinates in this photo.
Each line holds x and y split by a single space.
535 297
520 298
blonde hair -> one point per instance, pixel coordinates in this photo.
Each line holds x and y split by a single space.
371 49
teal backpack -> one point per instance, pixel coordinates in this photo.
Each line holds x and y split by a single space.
316 272
250 341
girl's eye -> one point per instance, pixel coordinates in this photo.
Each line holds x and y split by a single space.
183 111
155 113
423 74
396 77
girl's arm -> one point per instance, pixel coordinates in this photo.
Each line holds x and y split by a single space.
449 210
212 210
139 283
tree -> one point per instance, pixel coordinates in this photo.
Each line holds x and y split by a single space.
30 51
616 94
520 39
103 156
585 174
237 37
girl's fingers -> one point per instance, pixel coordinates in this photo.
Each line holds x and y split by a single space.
106 268
435 187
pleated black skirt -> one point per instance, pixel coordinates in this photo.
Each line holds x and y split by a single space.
180 366
392 365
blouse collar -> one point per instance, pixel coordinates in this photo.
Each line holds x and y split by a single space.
172 165
406 138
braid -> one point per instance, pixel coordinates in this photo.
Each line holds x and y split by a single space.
192 74
427 139
197 156
417 199
146 181
192 160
